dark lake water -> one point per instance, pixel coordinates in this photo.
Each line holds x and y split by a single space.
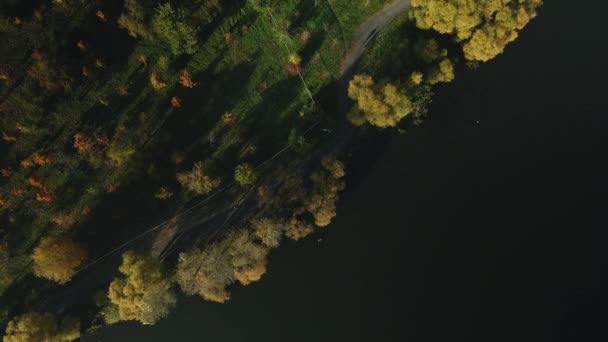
456 231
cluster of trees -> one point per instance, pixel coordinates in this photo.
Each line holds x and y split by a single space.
483 27
208 271
480 31
144 291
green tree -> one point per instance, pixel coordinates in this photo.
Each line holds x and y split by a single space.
245 174
173 28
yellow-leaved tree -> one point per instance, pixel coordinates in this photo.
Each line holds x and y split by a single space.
268 230
58 258
144 294
42 327
327 183
382 105
248 258
207 272
198 180
484 27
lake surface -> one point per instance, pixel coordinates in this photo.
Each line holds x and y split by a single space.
455 231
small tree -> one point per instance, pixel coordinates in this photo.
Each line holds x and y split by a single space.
176 102
442 72
244 174
156 82
82 143
186 80
198 180
297 229
58 258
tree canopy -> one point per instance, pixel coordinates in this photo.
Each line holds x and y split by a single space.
58 258
42 327
321 203
484 27
206 272
382 105
198 180
245 174
248 258
144 294
269 231
173 28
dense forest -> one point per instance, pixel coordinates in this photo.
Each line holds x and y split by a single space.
153 146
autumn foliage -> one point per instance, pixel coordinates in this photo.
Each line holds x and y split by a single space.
156 82
327 184
35 182
45 196
210 270
143 294
58 258
297 229
484 27
382 105
198 180
82 143
186 80
176 102
41 159
42 327
17 191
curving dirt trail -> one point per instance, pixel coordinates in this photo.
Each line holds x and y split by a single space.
368 31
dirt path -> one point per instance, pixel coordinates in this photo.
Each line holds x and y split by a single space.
368 30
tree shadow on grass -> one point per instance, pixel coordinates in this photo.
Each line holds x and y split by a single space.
273 117
188 127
